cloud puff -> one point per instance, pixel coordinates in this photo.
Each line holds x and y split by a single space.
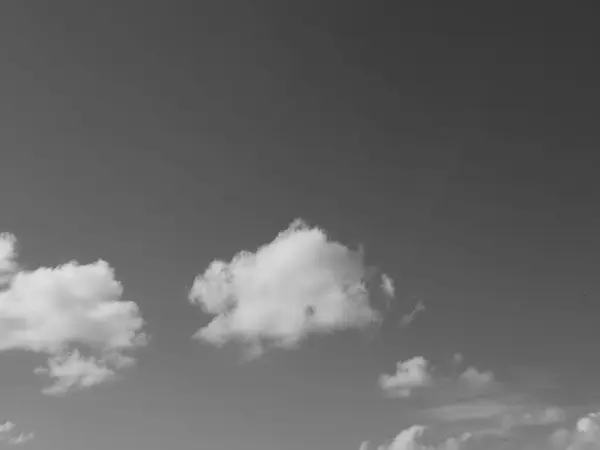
416 373
7 435
410 374
74 370
301 283
53 310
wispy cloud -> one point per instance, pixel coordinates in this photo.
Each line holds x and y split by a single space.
301 283
407 319
22 438
54 310
10 437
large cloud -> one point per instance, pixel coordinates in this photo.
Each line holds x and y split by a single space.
298 284
55 310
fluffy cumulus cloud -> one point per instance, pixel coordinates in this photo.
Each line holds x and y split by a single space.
56 310
10 436
74 370
299 284
410 374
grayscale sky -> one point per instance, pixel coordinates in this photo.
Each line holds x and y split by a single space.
457 148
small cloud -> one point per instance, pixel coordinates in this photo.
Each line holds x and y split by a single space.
410 374
407 319
299 284
74 371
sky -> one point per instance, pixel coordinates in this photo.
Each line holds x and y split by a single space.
298 225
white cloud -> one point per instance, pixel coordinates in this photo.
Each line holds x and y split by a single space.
6 435
410 374
301 283
54 310
75 371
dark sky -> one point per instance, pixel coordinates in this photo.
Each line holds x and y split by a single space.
458 145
